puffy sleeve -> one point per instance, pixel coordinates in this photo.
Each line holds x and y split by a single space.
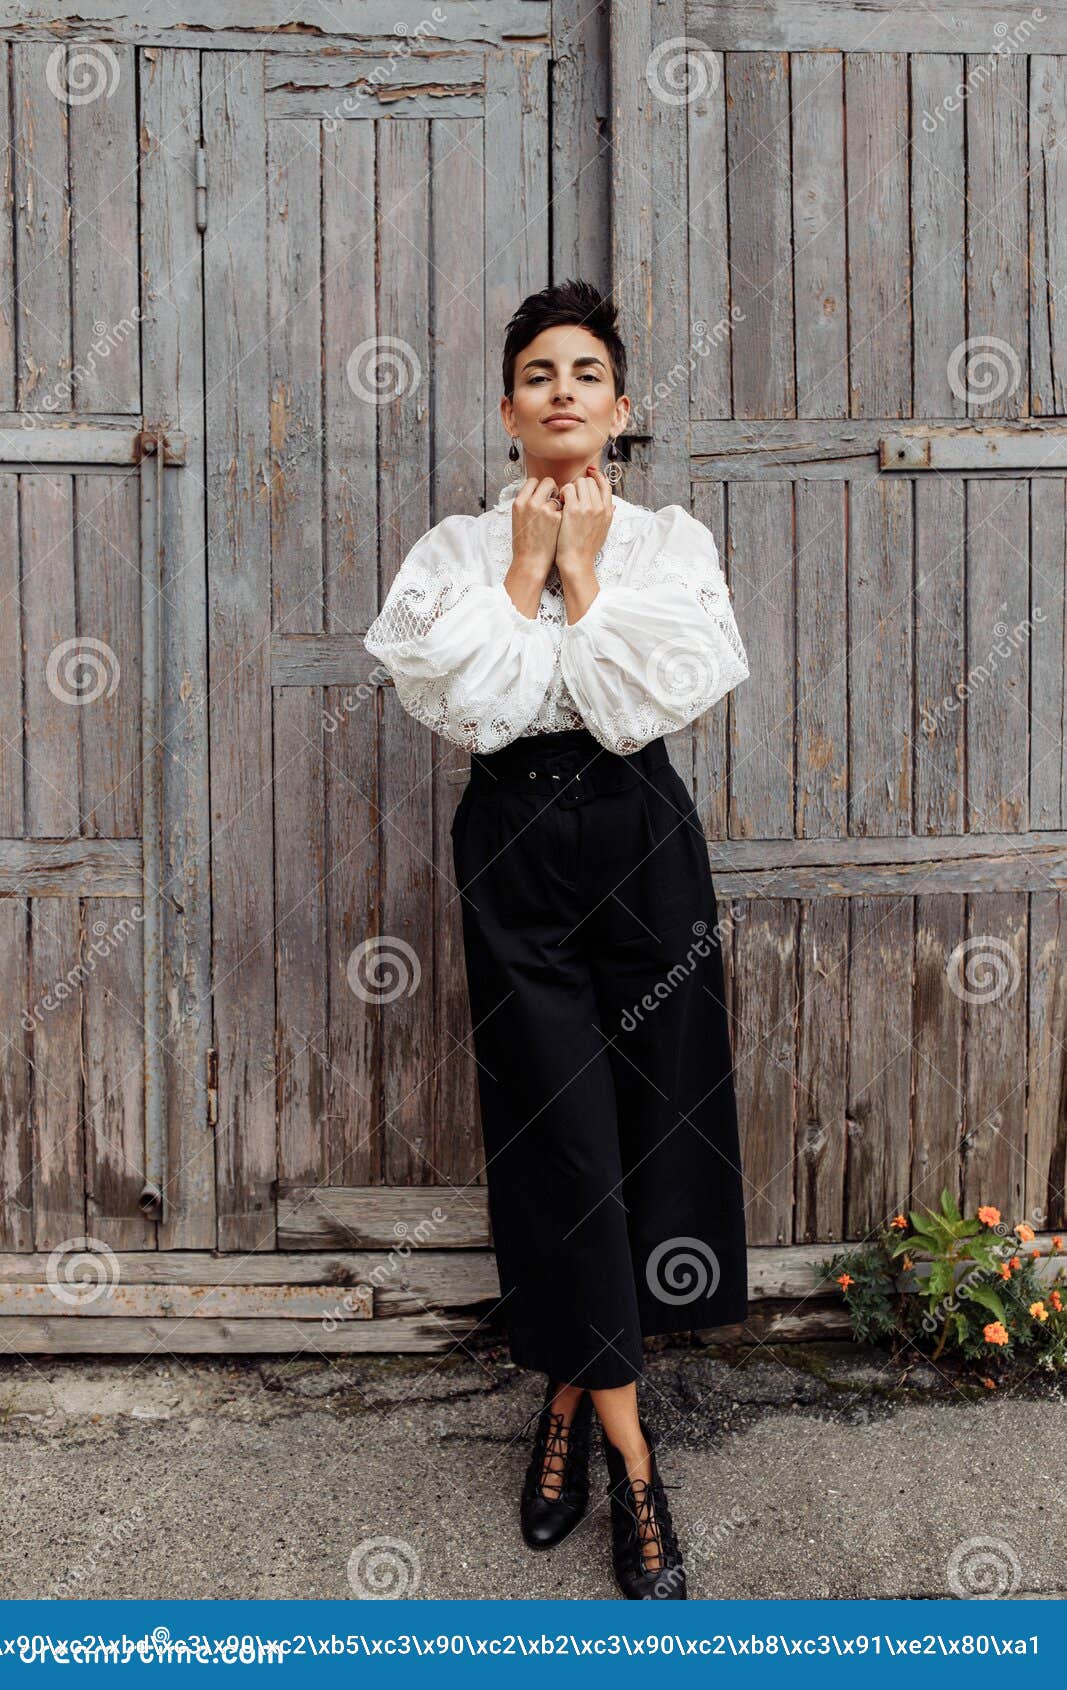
464 658
660 646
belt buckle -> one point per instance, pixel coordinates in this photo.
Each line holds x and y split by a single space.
561 766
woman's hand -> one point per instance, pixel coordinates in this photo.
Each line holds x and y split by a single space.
535 518
587 514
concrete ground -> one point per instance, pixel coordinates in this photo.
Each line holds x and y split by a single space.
802 1471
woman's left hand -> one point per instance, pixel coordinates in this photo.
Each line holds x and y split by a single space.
587 513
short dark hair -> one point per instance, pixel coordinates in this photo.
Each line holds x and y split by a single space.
567 302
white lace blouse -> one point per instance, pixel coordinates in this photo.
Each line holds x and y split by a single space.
657 646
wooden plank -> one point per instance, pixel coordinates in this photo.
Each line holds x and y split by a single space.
819 232
239 564
1048 233
111 1300
997 679
762 581
1045 1177
940 654
665 403
822 669
996 378
990 975
8 303
822 1071
580 71
65 868
710 320
714 733
1048 654
938 231
42 227
39 1335
107 522
114 1089
737 450
364 22
879 1061
760 200
16 1142
105 271
56 678
937 1110
173 374
295 192
55 1003
992 448
879 255
459 174
370 1217
447 1275
11 661
631 268
67 441
764 1009
880 587
877 26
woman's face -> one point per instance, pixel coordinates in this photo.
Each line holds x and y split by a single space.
565 372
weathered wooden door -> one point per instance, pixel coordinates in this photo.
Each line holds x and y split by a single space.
371 226
831 224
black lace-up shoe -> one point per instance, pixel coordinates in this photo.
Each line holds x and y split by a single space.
560 1462
639 1514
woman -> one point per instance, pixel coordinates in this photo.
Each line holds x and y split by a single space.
558 637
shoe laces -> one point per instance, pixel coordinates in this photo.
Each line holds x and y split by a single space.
653 1522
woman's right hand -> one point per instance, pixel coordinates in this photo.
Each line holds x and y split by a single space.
536 513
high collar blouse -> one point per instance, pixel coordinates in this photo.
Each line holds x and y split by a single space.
657 646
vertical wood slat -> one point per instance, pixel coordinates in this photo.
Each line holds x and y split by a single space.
294 190
406 753
708 773
104 259
458 327
822 669
819 229
760 201
998 595
630 37
764 1007
821 1069
42 231
667 404
1048 653
581 158
879 261
938 232
880 656
56 1047
761 578
8 304
880 997
994 991
997 239
938 1102
173 378
238 552
16 1142
1045 1175
940 654
709 244
114 1075
1048 233
50 635
351 420
107 559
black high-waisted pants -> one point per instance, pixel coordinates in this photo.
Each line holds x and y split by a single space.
604 1064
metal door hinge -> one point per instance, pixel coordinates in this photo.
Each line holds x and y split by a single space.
201 188
212 1087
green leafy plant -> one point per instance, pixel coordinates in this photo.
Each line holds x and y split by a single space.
939 1279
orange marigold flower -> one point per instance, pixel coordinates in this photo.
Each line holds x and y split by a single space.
1057 1301
907 1263
1057 1243
995 1333
1014 1262
990 1384
1026 1233
1039 1311
1004 1271
901 1221
844 1280
988 1215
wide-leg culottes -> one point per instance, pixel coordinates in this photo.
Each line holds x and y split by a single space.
599 1027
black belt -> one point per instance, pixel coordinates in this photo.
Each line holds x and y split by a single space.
570 765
